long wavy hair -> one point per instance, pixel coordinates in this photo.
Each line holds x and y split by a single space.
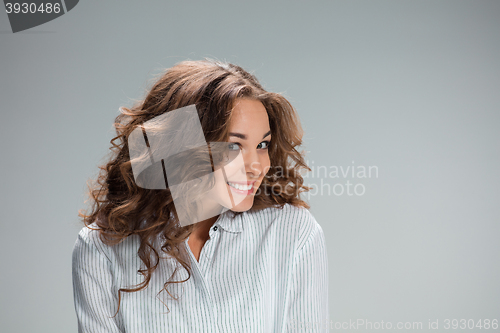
120 208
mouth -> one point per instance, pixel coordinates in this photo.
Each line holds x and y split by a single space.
246 188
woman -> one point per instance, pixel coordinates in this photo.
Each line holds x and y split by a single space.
238 253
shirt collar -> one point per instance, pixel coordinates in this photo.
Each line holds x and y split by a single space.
230 222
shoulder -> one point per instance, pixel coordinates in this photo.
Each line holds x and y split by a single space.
296 224
89 234
89 243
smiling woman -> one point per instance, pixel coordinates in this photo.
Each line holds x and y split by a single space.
256 265
249 132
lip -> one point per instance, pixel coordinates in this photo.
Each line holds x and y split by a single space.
242 192
242 183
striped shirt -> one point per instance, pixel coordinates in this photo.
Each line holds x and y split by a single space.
263 271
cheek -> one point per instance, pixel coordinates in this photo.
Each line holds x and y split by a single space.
235 170
266 164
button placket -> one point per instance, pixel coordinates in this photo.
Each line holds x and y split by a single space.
207 251
215 236
197 271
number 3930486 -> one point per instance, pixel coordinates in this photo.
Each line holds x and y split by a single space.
32 8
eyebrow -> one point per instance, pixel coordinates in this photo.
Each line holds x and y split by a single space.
244 137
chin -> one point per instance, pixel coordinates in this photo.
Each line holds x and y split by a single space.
243 206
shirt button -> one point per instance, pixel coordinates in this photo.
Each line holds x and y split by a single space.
215 228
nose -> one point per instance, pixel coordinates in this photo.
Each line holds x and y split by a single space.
253 165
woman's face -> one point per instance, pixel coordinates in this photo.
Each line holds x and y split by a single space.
249 138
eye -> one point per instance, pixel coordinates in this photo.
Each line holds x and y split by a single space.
233 146
263 145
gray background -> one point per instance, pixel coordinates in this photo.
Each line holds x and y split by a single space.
408 86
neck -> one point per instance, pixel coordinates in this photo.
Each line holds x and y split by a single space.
202 228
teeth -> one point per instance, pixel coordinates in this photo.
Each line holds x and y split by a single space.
240 187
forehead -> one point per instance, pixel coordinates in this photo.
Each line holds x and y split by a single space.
249 115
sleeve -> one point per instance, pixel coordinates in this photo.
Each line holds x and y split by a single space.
308 308
95 298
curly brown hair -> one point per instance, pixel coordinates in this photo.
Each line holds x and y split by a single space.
120 208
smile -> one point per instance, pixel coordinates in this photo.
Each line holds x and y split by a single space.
240 187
